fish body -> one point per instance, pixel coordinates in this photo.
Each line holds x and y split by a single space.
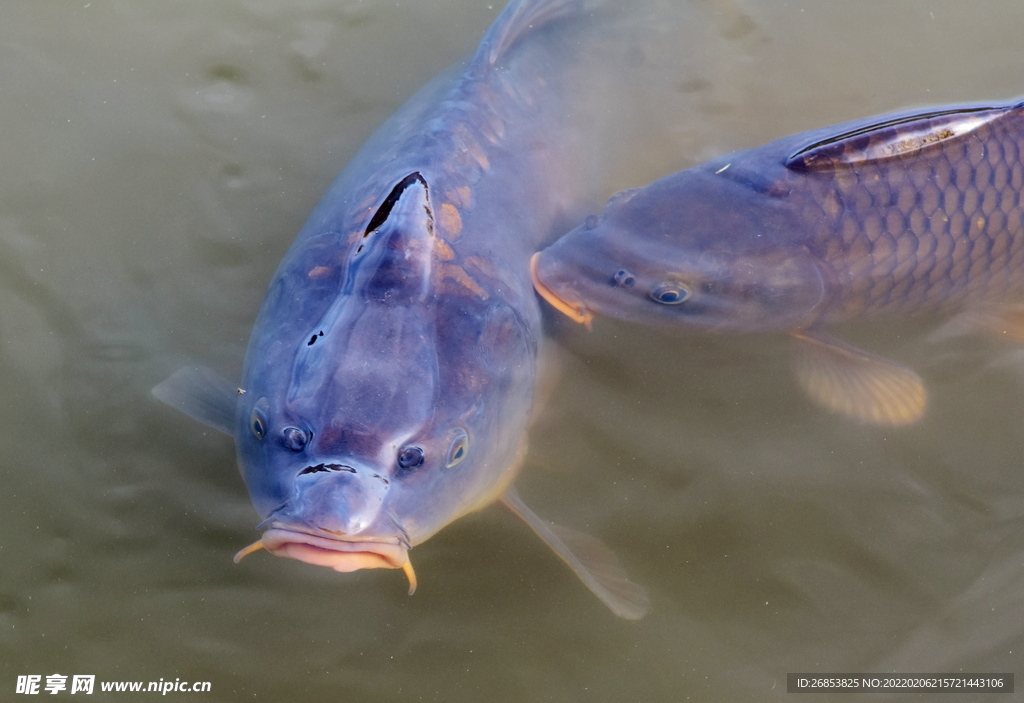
906 213
390 375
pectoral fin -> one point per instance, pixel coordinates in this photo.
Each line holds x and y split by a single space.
1007 323
856 383
593 562
202 394
550 362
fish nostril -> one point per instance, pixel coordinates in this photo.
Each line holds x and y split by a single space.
294 438
411 457
623 279
321 468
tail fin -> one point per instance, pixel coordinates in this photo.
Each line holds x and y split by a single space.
519 19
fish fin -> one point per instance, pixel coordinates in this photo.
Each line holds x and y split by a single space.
959 325
592 561
202 394
857 383
1007 323
899 135
550 362
519 19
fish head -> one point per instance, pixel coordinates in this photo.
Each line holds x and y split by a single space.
694 249
387 411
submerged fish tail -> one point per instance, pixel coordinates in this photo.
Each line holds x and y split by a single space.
517 20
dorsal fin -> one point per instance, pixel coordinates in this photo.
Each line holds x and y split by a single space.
517 20
893 136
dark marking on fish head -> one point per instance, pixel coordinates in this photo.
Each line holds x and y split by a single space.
342 498
395 257
708 248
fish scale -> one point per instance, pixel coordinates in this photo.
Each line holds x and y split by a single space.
930 229
908 213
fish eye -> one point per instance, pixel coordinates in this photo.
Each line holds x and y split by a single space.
258 419
294 438
410 457
458 450
258 423
670 293
623 279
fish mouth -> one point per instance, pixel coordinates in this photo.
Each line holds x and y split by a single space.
577 312
346 554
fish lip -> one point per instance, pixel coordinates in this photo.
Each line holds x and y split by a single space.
577 312
342 553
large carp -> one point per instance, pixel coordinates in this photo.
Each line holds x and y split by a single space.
390 376
906 213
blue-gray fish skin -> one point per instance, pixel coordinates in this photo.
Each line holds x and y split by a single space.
906 213
390 375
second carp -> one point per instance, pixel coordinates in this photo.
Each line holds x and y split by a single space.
906 213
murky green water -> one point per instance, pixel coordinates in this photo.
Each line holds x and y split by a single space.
158 157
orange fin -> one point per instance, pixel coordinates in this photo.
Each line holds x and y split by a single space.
858 384
593 562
